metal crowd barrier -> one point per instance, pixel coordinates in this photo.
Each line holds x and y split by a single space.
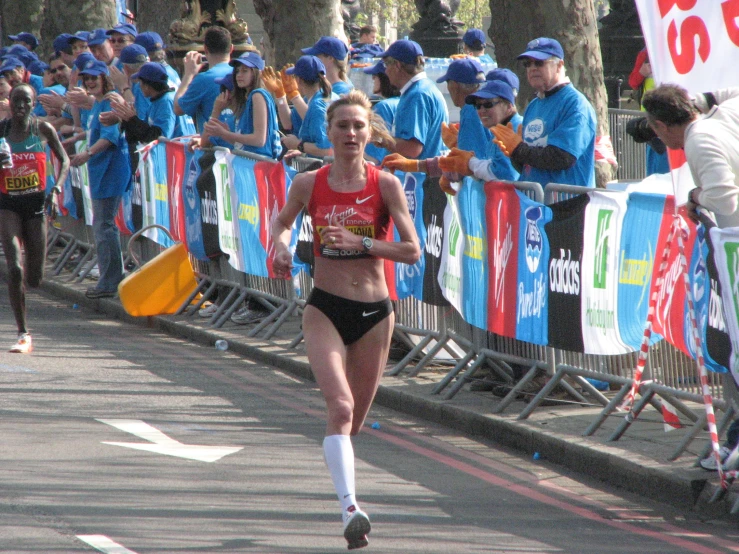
427 330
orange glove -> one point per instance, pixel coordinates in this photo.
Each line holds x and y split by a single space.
506 138
446 186
449 134
457 161
458 56
396 161
272 82
289 82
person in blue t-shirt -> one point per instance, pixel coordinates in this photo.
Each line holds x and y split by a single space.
386 108
256 125
109 174
463 77
334 53
198 89
557 144
310 74
155 46
121 36
474 45
160 120
421 109
367 47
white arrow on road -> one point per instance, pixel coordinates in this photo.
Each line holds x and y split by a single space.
162 444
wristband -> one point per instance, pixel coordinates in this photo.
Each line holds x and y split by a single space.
292 94
281 101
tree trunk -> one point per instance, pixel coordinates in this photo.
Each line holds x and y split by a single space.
158 16
48 18
291 25
573 23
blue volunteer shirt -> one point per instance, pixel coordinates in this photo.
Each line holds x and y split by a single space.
140 102
161 114
341 87
386 110
501 164
565 120
197 102
473 136
314 127
39 110
109 171
421 111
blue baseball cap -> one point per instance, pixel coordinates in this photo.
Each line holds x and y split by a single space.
376 69
249 59
465 70
9 63
542 49
152 71
405 51
150 40
23 54
329 46
505 75
81 60
27 38
307 68
124 29
97 37
226 81
84 36
61 42
134 53
38 67
95 67
474 38
492 89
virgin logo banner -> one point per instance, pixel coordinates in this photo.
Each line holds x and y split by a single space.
692 43
176 157
502 216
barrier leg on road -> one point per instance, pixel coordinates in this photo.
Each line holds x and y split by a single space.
638 407
454 372
609 409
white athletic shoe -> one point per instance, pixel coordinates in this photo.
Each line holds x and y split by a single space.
208 311
709 462
356 527
24 344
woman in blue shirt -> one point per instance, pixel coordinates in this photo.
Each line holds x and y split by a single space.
385 108
109 175
312 139
255 113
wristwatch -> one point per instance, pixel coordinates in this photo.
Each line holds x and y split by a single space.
368 243
301 146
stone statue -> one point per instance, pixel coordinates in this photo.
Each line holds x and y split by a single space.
188 28
198 15
236 26
349 10
437 19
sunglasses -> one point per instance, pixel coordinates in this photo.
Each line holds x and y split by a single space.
57 68
538 63
118 40
486 105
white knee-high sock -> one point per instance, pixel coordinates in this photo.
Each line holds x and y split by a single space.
339 456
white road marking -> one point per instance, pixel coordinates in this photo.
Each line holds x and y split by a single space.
104 544
162 444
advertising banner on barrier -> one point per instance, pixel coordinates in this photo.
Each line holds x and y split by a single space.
471 208
532 307
409 279
252 207
566 233
452 251
124 217
229 234
191 206
206 187
433 207
647 218
503 217
176 157
717 343
154 193
726 244
598 279
692 43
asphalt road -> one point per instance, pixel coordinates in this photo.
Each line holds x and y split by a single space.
212 453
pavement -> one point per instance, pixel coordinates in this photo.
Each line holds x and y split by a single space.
638 461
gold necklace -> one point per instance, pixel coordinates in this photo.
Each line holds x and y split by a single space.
361 175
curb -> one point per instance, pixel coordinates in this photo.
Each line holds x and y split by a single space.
686 489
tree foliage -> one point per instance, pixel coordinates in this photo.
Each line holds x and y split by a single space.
470 12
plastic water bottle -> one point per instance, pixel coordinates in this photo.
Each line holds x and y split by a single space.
5 149
222 345
375 425
536 456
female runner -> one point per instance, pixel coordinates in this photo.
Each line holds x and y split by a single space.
348 318
22 197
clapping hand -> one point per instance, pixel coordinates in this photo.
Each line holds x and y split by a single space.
273 82
450 134
506 138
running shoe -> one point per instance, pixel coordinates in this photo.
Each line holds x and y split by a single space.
246 315
709 462
24 344
94 292
208 311
356 527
